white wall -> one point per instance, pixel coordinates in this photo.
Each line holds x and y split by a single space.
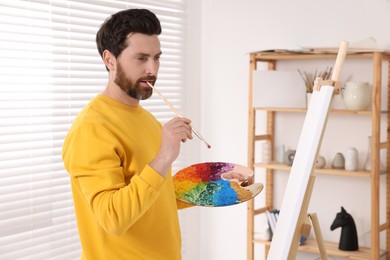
190 218
230 29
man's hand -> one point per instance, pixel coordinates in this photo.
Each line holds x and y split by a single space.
174 132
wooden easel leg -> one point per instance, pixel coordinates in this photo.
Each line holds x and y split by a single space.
318 234
292 255
303 228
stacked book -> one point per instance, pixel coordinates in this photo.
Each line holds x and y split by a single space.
272 217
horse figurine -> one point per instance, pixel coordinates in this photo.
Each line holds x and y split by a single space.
348 238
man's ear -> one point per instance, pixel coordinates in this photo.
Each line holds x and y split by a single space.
109 60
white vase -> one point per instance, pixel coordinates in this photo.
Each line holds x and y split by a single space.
357 96
281 154
266 152
367 164
351 159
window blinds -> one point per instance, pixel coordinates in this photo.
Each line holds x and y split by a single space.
50 69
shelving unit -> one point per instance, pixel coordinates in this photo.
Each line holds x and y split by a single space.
378 60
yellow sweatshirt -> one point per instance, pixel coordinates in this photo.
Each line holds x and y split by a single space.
124 208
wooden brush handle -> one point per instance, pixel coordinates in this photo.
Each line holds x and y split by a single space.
178 113
339 60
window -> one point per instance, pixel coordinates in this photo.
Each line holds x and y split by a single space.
50 69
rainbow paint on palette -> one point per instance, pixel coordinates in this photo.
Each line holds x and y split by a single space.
214 184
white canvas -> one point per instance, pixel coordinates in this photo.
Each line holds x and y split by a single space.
307 150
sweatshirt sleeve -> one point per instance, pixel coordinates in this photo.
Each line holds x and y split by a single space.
93 158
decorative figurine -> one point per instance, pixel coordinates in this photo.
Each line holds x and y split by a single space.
290 155
348 238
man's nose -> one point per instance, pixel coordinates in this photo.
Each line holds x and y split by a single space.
152 67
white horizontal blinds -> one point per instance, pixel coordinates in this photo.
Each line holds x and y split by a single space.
49 70
36 213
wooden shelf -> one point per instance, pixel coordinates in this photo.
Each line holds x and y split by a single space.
310 246
329 171
304 110
264 56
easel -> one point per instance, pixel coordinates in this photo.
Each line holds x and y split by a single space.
306 218
293 219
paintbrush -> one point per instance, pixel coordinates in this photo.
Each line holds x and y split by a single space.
178 113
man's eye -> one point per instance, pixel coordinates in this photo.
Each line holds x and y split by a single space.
141 58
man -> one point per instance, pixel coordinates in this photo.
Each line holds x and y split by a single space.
119 156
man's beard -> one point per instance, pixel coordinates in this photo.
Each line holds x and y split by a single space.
133 89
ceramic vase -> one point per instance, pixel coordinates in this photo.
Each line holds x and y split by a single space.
357 96
351 159
367 164
338 161
320 163
266 152
281 155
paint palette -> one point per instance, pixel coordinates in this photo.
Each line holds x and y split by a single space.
215 184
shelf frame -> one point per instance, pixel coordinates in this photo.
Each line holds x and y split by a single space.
270 58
